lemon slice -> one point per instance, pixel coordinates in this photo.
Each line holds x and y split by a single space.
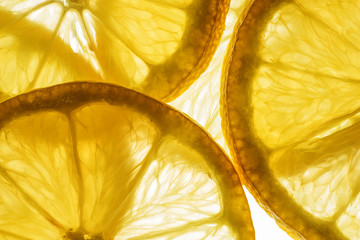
154 46
96 161
201 100
291 110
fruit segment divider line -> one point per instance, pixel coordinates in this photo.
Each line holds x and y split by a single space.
76 157
30 201
46 55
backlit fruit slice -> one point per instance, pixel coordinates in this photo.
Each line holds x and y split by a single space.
201 100
291 109
154 46
96 161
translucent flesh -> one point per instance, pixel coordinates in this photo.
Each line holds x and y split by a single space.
36 173
106 171
131 43
33 56
306 107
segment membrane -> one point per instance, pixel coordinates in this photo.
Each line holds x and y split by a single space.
322 174
175 196
69 57
152 31
45 48
47 16
22 45
112 144
341 16
37 176
290 105
116 61
298 39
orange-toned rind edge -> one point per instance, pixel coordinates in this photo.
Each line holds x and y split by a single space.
68 96
207 55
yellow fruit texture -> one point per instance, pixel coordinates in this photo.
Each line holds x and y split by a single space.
97 161
291 113
156 47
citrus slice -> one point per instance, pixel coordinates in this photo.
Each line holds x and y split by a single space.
154 46
97 161
201 99
201 102
291 113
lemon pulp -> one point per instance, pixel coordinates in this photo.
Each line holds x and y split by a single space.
103 162
292 113
156 47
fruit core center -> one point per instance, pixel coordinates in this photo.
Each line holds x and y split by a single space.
80 235
77 4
